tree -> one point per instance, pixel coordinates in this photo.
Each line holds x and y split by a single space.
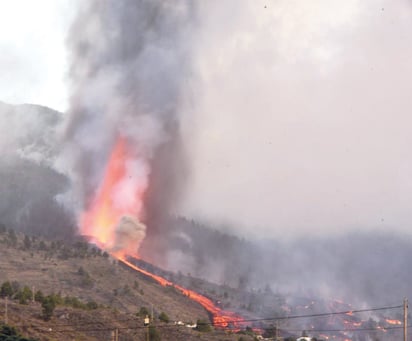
154 334
163 317
143 311
16 286
203 326
82 272
12 237
8 333
38 296
48 305
27 242
269 332
6 289
24 295
91 305
43 246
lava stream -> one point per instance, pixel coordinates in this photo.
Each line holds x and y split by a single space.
221 318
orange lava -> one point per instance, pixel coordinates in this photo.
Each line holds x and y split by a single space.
221 318
100 220
395 322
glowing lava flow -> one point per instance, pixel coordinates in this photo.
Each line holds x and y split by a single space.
394 322
221 318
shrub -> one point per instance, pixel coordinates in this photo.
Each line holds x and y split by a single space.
48 305
163 317
203 326
154 334
38 296
8 333
24 295
143 311
27 242
82 272
6 289
91 305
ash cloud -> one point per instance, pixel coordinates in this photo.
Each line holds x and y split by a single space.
129 63
296 129
129 235
301 122
299 140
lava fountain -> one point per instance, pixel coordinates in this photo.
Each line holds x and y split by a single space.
112 222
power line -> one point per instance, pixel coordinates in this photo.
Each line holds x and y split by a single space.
384 329
230 322
346 312
242 321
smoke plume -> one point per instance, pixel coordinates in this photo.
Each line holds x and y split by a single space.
129 60
297 127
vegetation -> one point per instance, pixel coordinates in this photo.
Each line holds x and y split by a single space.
143 312
203 326
48 305
6 290
163 317
8 333
24 295
39 264
154 334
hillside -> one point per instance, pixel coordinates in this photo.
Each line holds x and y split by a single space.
31 182
111 294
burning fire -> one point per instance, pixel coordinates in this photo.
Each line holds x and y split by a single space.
110 222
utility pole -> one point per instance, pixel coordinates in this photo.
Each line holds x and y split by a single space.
6 318
276 330
115 335
32 293
405 319
147 323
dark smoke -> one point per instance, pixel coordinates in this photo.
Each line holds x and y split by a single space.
129 62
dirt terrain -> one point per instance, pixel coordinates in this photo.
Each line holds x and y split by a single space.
75 270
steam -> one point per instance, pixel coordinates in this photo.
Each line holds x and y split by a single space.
128 64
